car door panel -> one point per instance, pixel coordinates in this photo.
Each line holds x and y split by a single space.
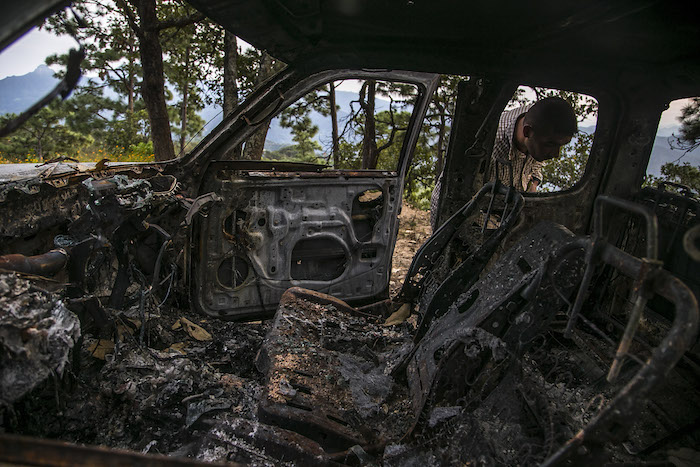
282 224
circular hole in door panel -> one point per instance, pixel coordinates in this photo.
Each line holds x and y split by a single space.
367 209
233 272
318 259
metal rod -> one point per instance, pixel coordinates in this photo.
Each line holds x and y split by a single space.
627 337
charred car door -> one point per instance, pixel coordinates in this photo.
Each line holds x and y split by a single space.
328 226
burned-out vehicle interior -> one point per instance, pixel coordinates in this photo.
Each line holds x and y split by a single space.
551 328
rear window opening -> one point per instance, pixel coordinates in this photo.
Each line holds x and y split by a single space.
565 171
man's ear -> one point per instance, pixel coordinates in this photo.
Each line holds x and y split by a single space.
527 130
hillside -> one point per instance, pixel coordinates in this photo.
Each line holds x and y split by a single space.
17 93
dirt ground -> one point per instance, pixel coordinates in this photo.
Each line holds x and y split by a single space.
414 229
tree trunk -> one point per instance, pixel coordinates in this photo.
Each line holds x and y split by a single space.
185 96
334 123
230 73
231 82
132 74
369 139
255 144
441 143
153 87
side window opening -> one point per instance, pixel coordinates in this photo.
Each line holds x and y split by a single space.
348 124
675 158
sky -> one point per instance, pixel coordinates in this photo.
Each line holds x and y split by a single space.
31 50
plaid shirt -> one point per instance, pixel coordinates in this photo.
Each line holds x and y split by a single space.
504 156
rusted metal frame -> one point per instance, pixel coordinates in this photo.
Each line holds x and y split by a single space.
325 174
488 210
613 423
26 451
281 166
690 241
684 203
276 169
575 309
497 297
686 191
269 115
608 339
662 196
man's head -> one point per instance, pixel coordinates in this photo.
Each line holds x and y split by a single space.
547 126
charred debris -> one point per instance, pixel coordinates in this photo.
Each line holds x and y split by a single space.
561 350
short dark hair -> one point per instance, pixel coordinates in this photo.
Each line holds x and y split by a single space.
553 113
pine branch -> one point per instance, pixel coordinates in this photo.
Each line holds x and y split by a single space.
180 22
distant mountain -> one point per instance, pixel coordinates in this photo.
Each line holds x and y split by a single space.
18 93
662 153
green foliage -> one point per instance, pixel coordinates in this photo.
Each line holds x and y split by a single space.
297 118
428 161
122 132
295 153
142 151
684 174
42 137
349 155
562 173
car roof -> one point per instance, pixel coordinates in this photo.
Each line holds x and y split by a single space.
448 36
